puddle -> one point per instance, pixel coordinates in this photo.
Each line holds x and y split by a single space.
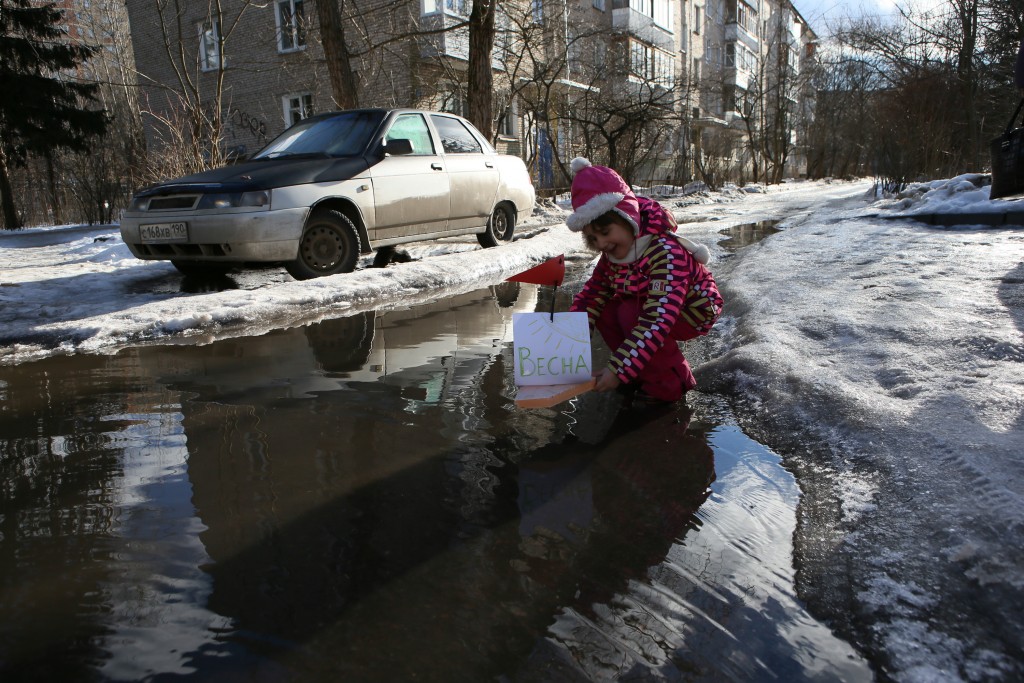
360 499
744 235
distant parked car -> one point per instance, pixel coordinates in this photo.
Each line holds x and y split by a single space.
330 188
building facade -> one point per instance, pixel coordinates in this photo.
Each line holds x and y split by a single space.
752 59
695 84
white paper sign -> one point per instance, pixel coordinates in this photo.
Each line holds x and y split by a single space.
550 351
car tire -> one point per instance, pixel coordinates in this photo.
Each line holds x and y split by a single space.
201 268
329 245
499 228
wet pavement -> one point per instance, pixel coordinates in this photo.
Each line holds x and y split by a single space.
359 499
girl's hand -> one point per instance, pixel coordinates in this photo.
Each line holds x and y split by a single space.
606 380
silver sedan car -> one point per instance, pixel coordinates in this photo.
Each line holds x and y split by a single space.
330 188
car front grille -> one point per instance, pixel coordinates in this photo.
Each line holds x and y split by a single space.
185 201
172 250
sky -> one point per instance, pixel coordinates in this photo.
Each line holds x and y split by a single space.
884 355
822 14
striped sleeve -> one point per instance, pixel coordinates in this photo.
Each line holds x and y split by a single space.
671 271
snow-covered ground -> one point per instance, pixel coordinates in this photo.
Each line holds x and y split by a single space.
884 358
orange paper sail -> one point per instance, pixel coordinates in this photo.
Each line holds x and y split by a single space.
550 273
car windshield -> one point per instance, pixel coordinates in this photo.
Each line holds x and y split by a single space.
345 134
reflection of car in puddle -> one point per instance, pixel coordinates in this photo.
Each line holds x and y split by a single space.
418 346
746 234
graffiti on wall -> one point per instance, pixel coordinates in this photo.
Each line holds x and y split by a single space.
248 122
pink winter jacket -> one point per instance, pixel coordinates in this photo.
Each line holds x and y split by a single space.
675 286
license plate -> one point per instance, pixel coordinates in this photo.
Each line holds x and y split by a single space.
164 232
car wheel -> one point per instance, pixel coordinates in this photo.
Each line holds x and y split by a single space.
329 245
201 268
499 228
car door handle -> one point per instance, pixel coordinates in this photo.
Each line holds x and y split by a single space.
437 167
488 164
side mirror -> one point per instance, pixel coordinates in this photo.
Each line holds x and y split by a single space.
398 147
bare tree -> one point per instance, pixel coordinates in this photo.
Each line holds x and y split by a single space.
584 97
941 86
190 126
837 142
103 180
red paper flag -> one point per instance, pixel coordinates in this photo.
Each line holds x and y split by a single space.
550 273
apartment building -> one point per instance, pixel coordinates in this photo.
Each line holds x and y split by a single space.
749 57
558 64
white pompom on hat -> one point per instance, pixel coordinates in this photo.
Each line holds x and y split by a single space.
578 164
597 190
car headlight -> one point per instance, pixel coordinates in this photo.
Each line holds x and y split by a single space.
139 204
232 200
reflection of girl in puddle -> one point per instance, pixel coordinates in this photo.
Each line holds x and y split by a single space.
601 515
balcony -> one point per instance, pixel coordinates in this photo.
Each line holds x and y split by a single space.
737 77
641 26
736 33
734 120
452 43
708 121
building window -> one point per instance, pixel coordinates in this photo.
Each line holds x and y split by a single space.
739 57
696 69
698 19
453 102
430 7
662 13
291 32
659 10
600 60
458 7
599 4
638 53
747 18
538 11
297 107
651 64
209 46
507 123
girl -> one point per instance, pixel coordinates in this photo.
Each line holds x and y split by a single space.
649 289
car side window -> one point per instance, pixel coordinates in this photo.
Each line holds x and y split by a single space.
412 127
455 137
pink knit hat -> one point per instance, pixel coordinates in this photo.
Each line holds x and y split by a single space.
597 190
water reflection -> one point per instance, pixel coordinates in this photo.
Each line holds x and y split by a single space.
744 235
360 500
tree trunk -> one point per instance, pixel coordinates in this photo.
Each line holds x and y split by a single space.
10 212
339 62
481 77
51 181
968 76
